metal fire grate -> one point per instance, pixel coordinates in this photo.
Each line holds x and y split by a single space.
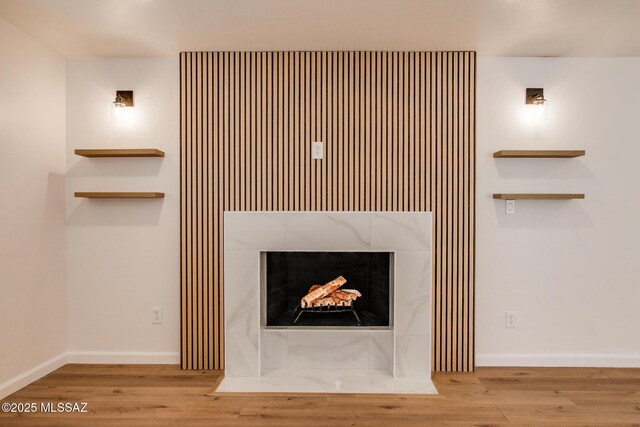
327 309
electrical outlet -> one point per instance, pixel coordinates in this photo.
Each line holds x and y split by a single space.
157 314
317 150
510 319
509 207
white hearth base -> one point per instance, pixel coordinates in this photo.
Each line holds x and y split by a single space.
329 381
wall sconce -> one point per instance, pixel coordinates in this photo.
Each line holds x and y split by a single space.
122 117
535 109
124 98
535 96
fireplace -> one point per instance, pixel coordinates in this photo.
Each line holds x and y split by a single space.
366 295
272 259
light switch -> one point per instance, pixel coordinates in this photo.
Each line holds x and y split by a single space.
317 150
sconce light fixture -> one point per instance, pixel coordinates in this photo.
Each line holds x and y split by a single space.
124 98
535 96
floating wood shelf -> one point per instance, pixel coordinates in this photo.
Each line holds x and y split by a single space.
120 152
538 154
537 196
119 195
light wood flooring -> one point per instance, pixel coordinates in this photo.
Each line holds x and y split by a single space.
165 395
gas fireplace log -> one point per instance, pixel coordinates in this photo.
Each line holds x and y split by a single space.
313 288
321 302
322 291
339 297
335 299
345 296
352 292
329 301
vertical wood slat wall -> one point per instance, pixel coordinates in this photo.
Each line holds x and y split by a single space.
399 134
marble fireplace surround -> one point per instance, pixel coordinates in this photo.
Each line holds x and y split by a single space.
361 360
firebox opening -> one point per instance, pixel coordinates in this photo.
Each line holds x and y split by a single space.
363 300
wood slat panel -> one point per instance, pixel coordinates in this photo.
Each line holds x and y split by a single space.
399 134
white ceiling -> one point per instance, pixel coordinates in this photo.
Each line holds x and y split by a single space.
162 28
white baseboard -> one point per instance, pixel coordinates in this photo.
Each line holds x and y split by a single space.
111 357
33 374
124 357
568 360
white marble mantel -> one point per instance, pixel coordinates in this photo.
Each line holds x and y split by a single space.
332 360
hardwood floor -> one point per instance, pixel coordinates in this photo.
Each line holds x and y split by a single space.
166 395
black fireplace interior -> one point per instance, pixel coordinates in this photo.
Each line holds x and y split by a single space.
289 276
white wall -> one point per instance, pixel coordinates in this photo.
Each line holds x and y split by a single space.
32 138
123 255
570 269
